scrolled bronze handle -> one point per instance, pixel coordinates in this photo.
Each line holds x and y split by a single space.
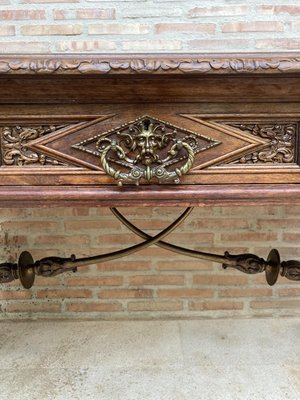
147 151
148 171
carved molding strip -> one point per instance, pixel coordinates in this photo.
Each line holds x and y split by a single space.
156 64
15 141
279 150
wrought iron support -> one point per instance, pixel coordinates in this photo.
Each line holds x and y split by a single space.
26 269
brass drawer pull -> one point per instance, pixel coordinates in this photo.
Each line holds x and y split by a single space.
145 151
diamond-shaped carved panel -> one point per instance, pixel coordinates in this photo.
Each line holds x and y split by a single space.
148 142
148 148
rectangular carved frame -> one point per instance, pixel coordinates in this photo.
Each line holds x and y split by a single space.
240 112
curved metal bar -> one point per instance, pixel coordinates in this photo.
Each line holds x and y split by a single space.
247 263
168 246
26 269
129 250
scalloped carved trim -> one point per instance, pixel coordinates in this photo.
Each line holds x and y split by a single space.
141 64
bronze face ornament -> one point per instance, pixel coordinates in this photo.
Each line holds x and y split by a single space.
146 149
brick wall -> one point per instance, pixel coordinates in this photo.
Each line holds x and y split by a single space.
51 26
153 283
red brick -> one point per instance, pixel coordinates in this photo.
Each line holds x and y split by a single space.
15 295
128 265
185 292
260 279
215 305
117 239
152 45
134 12
94 307
218 11
59 212
94 281
255 26
217 44
7 30
155 306
249 211
81 212
184 265
285 44
275 304
13 240
41 30
96 13
184 28
45 252
148 224
189 238
279 9
279 223
85 45
29 226
220 279
22 14
118 29
91 224
125 293
62 240
291 237
289 292
89 13
252 292
154 251
62 14
63 293
290 252
33 308
249 236
156 280
47 281
12 213
219 224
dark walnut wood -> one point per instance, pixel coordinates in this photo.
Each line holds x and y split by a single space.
188 129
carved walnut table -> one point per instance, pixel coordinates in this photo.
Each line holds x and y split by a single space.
149 130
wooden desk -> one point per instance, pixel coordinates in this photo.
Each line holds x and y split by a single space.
149 130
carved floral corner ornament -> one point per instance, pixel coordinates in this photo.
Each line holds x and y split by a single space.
146 149
15 142
280 148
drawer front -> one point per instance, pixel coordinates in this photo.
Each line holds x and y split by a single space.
143 144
